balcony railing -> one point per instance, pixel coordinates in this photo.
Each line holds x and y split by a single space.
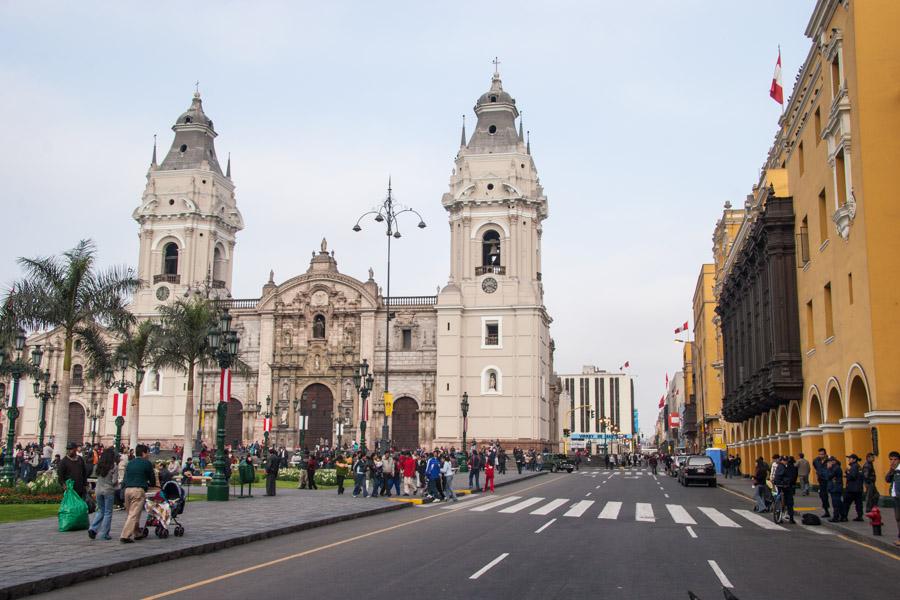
492 340
167 278
412 301
490 270
218 284
238 303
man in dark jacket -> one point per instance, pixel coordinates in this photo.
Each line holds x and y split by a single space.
869 478
272 466
820 464
835 484
73 467
785 480
853 489
476 463
759 483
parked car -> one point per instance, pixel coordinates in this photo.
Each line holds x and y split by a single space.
698 468
675 467
557 462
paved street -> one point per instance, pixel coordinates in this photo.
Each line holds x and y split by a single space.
626 533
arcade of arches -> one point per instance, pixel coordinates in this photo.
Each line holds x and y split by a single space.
840 418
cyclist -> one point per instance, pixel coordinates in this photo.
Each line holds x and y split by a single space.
785 479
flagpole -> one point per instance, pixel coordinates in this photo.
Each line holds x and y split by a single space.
782 79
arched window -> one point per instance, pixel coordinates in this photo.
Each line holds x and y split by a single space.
170 259
154 381
319 327
77 376
218 264
490 249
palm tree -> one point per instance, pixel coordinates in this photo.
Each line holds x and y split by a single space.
71 293
183 348
139 344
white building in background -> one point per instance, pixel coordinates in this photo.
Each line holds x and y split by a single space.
598 410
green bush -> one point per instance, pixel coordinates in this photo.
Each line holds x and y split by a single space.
323 476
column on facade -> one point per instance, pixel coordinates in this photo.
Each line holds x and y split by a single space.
810 441
784 446
887 429
833 440
857 436
794 443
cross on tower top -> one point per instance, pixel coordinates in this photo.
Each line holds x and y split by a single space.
496 62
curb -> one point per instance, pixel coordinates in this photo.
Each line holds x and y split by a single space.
65 579
850 533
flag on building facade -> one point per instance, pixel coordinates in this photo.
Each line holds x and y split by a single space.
682 328
776 91
625 366
120 405
662 401
267 423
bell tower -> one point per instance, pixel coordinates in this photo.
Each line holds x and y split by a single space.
493 328
188 217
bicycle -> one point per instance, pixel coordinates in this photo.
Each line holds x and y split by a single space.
778 509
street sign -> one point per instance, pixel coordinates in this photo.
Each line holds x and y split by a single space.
388 404
674 420
578 444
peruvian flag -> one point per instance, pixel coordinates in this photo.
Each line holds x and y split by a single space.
776 91
625 366
667 381
267 423
682 328
662 401
120 405
225 385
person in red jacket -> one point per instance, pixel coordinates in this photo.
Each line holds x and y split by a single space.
311 471
408 470
489 476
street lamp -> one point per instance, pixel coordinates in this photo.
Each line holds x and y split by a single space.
464 407
268 420
387 213
95 411
16 368
363 380
121 384
44 394
223 341
303 423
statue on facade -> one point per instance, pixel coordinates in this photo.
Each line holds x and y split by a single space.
284 417
324 246
284 390
492 382
317 363
371 273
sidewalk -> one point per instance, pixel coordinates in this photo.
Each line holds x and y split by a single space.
461 484
856 530
39 558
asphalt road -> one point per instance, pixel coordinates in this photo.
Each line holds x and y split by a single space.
557 536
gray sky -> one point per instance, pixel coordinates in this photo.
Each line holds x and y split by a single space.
645 118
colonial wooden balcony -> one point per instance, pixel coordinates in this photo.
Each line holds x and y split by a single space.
167 278
490 270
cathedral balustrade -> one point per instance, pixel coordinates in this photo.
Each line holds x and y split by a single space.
412 301
167 278
490 269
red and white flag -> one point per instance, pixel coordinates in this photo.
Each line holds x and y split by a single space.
662 401
667 381
267 423
625 366
682 328
776 91
225 385
120 405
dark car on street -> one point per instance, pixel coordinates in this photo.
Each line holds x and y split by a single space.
557 462
698 469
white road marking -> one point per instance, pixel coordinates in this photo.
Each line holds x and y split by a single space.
691 531
717 517
489 566
644 512
550 506
578 508
597 488
545 525
680 515
496 503
758 520
610 511
626 477
588 494
666 495
472 499
521 505
720 574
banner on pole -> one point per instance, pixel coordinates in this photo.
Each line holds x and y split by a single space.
120 405
388 404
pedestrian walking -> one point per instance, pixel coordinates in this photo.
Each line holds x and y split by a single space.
433 473
272 466
475 465
653 464
853 489
759 485
359 469
139 476
803 470
311 466
387 467
820 465
447 471
869 478
785 479
835 488
72 466
892 478
489 477
342 469
107 473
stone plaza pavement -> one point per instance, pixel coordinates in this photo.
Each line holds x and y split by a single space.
856 530
40 558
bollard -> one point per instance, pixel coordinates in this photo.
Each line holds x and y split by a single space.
875 516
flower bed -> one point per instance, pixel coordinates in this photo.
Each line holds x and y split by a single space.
45 489
323 476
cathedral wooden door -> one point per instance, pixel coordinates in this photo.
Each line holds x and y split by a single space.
76 423
234 421
405 424
317 403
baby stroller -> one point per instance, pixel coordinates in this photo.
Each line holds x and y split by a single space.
163 509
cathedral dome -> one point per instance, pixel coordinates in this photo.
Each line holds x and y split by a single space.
193 146
495 96
194 114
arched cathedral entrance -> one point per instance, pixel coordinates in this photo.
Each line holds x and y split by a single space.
405 423
317 403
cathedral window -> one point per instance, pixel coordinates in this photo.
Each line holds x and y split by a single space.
218 264
490 249
492 129
170 259
406 339
183 148
319 327
153 382
77 376
187 119
492 333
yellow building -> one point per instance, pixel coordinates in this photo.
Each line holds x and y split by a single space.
706 358
839 147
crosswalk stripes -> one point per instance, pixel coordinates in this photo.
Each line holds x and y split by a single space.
610 511
644 512
496 503
717 517
521 505
758 520
550 506
578 508
680 515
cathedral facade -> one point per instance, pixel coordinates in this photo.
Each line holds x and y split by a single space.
485 334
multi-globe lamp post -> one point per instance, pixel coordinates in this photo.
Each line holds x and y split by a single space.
121 385
16 367
463 458
387 213
267 423
44 393
95 412
223 341
363 380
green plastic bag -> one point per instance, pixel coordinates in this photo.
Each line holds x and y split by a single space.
73 511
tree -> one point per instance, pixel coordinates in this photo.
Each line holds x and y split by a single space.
183 348
71 293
